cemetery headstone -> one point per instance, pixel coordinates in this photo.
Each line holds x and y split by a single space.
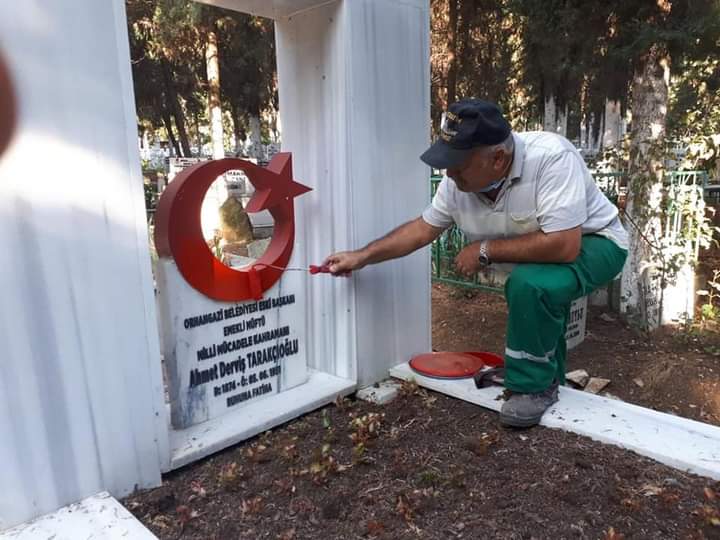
230 336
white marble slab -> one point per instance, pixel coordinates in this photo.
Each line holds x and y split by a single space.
99 517
203 439
249 351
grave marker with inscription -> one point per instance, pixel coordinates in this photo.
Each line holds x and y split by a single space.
577 320
230 336
221 355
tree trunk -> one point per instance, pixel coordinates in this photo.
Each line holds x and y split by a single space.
642 279
452 52
214 108
612 124
275 126
175 109
462 60
255 145
198 137
554 118
171 136
562 121
237 129
217 194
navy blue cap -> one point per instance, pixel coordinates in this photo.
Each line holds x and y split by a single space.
469 123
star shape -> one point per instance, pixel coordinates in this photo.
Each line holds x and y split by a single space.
274 184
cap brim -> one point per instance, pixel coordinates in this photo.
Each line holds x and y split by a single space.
442 156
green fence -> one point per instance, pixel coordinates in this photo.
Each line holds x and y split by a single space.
612 184
445 249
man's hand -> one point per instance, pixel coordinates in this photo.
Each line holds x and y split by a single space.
345 261
467 261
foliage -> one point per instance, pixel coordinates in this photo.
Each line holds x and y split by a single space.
247 64
481 61
364 429
612 158
694 115
564 55
684 221
150 194
167 44
687 226
166 70
583 53
710 310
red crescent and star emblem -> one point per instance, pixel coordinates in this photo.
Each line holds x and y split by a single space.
178 232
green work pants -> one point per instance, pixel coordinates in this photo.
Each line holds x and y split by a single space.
538 298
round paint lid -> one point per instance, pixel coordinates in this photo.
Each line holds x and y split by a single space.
453 365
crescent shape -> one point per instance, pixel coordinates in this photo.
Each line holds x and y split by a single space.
8 113
178 234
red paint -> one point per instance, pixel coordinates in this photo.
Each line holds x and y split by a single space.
488 358
453 365
255 283
178 232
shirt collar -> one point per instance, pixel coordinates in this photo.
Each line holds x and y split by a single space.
518 159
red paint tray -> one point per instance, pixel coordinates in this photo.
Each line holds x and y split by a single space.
453 365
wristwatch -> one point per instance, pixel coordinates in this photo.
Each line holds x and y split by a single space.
483 256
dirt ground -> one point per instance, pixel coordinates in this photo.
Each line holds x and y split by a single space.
429 466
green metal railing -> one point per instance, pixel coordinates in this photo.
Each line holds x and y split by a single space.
445 249
612 184
687 178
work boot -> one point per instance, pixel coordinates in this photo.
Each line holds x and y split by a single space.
526 410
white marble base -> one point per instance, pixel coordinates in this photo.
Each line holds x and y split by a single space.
203 439
99 517
204 380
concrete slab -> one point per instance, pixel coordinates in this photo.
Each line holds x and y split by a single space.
193 443
99 517
383 393
677 442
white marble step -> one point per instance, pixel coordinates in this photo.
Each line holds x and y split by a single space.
99 517
200 440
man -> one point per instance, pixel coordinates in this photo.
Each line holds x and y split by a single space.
521 198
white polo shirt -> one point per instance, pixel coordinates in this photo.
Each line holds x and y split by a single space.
549 188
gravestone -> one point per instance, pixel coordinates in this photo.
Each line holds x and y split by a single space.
577 320
242 188
223 355
230 336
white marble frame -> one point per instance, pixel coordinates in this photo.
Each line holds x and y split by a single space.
346 70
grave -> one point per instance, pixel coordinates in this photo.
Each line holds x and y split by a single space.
83 409
228 341
85 406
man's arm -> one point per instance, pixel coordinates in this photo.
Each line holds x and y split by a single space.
397 243
539 247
